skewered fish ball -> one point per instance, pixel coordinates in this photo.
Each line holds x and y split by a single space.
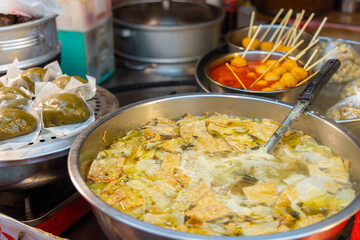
283 48
239 61
62 81
271 62
266 46
278 85
12 97
254 46
299 73
289 64
288 80
279 70
15 123
261 69
270 76
63 109
33 75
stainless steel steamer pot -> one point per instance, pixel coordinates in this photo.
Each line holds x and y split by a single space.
34 43
45 162
116 224
176 31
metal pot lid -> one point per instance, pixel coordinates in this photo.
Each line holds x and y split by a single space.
164 13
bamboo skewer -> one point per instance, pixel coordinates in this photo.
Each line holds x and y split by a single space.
237 78
252 40
304 51
311 58
277 61
319 29
302 29
272 51
278 29
288 33
307 79
321 59
294 27
271 24
287 17
251 23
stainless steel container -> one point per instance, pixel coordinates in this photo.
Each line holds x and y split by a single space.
289 95
234 37
33 43
175 31
117 225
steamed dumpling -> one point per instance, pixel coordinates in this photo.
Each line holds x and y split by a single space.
62 81
12 97
32 75
15 122
63 109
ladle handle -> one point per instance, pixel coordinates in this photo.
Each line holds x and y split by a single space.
320 79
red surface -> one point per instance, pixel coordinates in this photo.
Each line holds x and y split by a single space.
66 216
355 234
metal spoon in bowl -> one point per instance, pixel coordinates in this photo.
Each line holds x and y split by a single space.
310 92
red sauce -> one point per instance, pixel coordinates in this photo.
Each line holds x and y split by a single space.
247 75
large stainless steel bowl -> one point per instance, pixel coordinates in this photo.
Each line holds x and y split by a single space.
116 224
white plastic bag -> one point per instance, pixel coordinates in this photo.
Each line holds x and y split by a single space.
30 8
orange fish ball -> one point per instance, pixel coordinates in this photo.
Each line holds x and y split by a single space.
254 46
299 73
261 83
266 46
270 76
289 64
278 85
239 61
261 69
279 70
283 48
288 80
271 62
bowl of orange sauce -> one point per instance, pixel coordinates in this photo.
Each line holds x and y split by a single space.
280 82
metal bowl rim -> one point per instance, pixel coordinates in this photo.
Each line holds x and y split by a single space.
97 203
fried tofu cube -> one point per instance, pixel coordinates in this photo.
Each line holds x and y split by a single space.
105 170
286 197
333 168
208 208
332 187
306 221
170 162
194 194
261 193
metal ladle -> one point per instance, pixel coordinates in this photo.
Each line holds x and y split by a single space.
310 92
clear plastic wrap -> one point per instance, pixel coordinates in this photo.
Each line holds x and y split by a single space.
350 60
30 8
347 108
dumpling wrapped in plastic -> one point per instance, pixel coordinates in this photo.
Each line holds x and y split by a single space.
348 108
350 89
